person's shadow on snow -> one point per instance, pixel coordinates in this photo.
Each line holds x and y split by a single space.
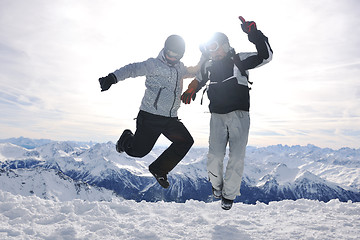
229 233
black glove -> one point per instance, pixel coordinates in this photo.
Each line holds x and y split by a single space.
247 26
106 82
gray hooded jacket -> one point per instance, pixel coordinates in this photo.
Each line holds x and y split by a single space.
164 83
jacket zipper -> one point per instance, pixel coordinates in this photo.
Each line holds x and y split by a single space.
176 84
157 97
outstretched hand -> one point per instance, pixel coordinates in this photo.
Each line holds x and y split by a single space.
247 26
106 82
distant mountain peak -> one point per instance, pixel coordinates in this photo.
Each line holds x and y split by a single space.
271 173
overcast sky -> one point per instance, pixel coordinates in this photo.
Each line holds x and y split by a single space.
53 52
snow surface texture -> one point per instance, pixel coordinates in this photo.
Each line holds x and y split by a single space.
30 217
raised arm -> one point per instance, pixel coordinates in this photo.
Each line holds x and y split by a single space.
264 51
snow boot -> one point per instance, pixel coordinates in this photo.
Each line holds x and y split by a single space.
162 180
121 143
226 204
216 193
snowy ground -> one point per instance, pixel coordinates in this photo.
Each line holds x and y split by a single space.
34 218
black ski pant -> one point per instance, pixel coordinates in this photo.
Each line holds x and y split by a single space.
149 127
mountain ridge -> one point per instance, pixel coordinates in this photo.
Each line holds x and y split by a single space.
271 173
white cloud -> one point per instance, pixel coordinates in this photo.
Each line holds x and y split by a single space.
51 61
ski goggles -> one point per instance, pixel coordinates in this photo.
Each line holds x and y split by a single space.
212 46
173 55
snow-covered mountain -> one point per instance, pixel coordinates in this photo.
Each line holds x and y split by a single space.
33 143
50 184
271 173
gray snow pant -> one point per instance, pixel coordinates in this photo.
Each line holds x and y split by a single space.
232 128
